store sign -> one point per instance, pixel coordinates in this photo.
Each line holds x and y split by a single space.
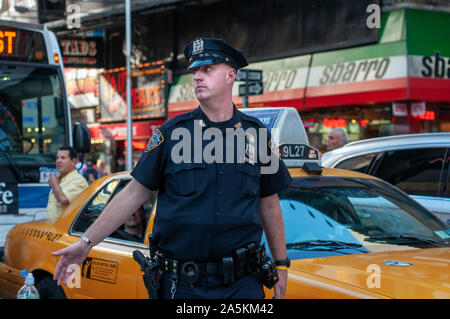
333 123
399 109
82 52
282 75
309 123
362 70
341 72
437 66
418 108
148 93
427 116
82 87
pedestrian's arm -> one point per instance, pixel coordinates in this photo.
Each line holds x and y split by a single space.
57 190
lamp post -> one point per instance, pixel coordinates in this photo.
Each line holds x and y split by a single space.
129 149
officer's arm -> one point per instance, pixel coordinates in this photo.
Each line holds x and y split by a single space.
122 206
273 224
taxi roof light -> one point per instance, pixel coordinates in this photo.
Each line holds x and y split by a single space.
288 136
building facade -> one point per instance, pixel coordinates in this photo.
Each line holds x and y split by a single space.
337 63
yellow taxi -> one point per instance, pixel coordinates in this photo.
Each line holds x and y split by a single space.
348 235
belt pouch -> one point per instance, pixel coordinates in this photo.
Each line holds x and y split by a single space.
241 265
228 270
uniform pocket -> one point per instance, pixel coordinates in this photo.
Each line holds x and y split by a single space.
185 175
249 177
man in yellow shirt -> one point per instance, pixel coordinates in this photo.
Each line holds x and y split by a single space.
67 186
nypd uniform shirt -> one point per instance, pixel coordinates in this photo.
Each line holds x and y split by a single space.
206 209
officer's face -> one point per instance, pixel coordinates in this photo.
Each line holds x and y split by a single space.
213 80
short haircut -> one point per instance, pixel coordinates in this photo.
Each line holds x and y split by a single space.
72 151
344 135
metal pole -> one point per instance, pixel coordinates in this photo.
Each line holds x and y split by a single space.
245 98
129 150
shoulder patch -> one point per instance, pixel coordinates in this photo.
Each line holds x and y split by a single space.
156 139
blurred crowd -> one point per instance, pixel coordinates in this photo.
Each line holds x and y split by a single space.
91 169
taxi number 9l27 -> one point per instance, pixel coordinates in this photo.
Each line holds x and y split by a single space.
298 151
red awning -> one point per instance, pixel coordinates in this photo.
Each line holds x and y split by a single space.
118 131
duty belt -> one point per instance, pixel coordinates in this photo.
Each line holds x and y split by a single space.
241 263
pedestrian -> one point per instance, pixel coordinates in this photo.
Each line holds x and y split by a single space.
337 138
134 226
210 215
101 171
120 164
67 185
90 174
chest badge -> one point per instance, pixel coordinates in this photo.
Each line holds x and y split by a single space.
250 149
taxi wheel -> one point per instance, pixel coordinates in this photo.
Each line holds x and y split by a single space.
48 289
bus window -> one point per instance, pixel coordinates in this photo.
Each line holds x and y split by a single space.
32 97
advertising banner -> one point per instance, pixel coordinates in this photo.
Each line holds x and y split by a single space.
148 90
82 87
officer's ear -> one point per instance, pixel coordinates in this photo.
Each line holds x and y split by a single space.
230 75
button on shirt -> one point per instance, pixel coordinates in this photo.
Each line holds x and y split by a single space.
72 185
208 205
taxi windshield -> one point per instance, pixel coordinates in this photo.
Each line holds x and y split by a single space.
327 216
32 121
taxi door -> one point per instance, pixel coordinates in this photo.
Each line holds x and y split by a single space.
109 271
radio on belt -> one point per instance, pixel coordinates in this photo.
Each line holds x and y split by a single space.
289 136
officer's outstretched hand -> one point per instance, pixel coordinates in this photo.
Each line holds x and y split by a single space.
280 286
72 257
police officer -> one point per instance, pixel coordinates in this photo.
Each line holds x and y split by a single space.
213 199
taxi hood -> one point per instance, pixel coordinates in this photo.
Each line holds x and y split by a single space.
288 134
417 273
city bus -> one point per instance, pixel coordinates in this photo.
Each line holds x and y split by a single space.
34 121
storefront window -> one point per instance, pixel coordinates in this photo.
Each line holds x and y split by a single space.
362 122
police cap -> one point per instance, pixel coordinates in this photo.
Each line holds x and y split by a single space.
205 51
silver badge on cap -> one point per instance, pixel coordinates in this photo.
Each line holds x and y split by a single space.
197 46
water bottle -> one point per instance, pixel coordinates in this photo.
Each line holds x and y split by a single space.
28 291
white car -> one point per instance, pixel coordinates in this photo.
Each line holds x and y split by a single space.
418 164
